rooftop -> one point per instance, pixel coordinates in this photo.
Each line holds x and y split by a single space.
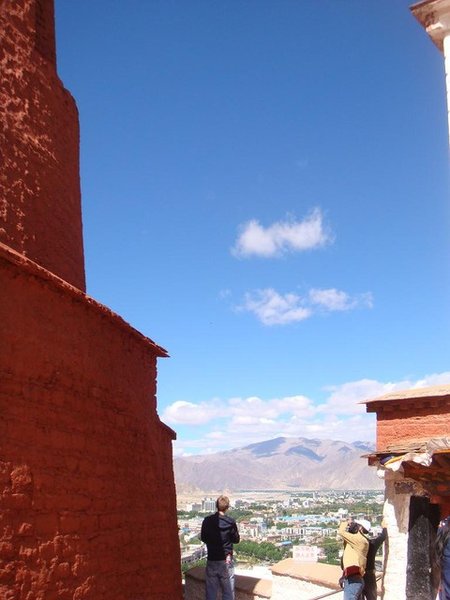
435 391
434 16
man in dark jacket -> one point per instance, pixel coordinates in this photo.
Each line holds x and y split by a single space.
220 532
370 582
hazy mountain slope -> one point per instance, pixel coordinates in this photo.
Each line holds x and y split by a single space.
281 463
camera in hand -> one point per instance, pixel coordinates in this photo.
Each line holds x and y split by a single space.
352 527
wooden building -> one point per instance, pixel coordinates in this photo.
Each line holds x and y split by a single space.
413 455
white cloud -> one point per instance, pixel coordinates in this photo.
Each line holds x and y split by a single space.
434 379
336 300
237 422
238 411
224 294
215 435
201 446
268 411
300 406
281 237
273 308
345 399
188 413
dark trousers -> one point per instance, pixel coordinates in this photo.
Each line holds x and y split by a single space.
370 587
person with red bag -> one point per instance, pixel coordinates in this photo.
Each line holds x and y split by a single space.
354 558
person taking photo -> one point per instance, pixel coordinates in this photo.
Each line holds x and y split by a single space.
354 557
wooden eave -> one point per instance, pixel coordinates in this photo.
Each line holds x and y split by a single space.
439 470
387 405
434 477
407 404
426 13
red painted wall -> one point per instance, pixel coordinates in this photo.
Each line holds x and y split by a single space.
40 209
87 496
409 421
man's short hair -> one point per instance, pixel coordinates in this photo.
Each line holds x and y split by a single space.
222 503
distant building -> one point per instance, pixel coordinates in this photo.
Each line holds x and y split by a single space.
208 505
305 553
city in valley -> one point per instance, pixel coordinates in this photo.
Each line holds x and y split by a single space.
274 525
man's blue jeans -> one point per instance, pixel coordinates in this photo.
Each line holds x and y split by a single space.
353 587
219 576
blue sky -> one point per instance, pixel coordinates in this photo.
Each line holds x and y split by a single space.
265 194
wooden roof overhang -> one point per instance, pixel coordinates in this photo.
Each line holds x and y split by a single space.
432 397
427 462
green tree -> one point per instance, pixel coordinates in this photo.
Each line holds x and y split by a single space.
199 563
263 551
331 547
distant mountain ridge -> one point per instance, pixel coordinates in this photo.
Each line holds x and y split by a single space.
280 464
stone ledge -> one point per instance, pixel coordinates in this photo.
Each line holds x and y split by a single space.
317 573
243 583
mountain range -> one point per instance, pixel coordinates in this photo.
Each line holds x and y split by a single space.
280 464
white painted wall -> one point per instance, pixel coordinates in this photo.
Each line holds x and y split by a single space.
396 514
447 75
